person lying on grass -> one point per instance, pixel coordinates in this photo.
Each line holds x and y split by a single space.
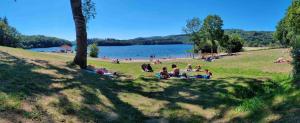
282 60
207 75
100 71
104 71
164 73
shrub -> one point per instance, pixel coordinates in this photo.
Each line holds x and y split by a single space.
94 50
232 44
296 60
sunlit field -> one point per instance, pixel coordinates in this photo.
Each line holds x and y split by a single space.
45 87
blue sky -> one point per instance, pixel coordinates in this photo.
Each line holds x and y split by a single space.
125 19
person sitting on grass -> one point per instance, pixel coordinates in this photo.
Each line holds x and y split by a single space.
189 68
157 61
147 68
176 71
198 68
144 67
164 73
210 59
116 61
207 75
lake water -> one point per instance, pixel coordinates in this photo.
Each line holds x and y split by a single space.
136 51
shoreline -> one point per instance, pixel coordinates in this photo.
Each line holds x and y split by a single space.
143 60
124 60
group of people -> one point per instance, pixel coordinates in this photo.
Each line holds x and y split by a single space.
282 60
189 68
116 61
177 73
146 68
164 74
157 62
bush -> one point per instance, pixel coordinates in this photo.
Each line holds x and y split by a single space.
237 44
232 44
296 60
94 50
9 36
207 48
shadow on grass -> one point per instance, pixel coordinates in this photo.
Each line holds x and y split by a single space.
20 82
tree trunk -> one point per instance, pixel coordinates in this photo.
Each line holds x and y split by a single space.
81 34
194 50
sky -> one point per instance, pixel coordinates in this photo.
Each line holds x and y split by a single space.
126 19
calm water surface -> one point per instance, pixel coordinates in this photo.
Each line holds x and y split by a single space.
136 51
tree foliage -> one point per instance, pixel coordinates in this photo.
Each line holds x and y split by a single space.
9 36
40 41
212 30
94 50
291 24
213 27
255 38
281 33
210 35
233 43
89 10
192 28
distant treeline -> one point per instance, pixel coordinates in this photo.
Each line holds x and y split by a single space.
252 39
9 36
40 41
255 38
137 41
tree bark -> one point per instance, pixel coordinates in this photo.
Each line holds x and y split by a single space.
81 34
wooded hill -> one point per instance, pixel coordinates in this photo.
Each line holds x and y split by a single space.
40 41
252 38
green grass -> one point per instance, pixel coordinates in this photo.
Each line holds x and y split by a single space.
44 87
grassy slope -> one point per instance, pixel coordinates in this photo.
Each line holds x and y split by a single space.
41 87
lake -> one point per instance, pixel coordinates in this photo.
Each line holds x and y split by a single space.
136 51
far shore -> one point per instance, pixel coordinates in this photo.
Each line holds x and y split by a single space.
162 59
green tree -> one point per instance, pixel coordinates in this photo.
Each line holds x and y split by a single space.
80 16
291 22
233 43
212 29
9 36
5 20
192 28
281 33
94 50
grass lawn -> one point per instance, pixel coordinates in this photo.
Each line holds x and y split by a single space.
43 87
